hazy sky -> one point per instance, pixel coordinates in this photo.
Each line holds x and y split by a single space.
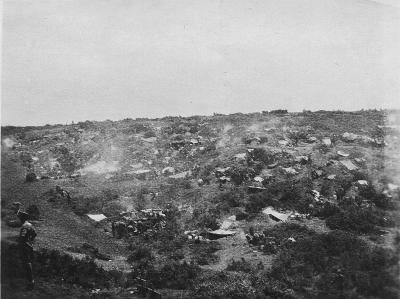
73 60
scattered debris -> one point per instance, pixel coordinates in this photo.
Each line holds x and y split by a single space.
290 170
194 141
317 173
240 157
181 175
283 142
349 137
312 139
258 179
137 166
168 170
301 159
332 162
316 194
326 141
222 171
360 160
298 216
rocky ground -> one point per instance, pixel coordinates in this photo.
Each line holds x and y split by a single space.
324 171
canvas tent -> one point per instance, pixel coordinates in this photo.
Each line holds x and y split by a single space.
220 233
348 164
275 215
97 217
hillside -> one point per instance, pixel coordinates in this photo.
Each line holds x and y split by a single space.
286 205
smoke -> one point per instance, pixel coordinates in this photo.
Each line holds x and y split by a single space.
101 167
8 143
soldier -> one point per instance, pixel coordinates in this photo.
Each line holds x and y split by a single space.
120 229
16 206
27 235
66 195
113 228
58 189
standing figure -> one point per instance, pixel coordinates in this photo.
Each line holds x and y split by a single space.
27 235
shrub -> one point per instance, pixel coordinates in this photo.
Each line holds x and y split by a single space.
204 253
355 219
257 202
240 266
326 210
239 174
141 254
297 136
206 218
379 199
261 155
358 175
113 208
33 212
278 111
241 215
224 285
174 275
282 232
83 205
230 199
149 134
31 177
110 194
334 265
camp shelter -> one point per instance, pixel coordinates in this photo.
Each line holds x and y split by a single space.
219 233
97 217
275 215
362 182
150 139
255 189
343 154
348 164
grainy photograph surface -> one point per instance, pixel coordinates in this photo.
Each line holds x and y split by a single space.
200 149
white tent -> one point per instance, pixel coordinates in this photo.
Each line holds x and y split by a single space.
97 217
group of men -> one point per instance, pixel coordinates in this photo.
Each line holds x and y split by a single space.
127 226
